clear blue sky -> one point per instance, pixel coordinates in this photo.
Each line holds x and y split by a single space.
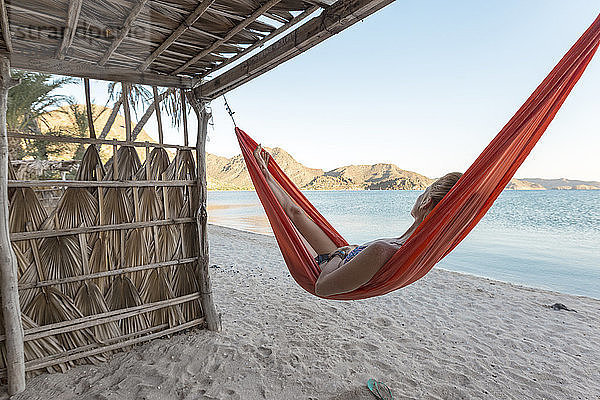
424 85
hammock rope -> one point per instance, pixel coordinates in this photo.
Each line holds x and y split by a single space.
458 212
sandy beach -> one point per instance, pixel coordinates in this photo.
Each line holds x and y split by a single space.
448 336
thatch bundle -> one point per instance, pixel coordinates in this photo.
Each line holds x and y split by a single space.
91 168
123 294
51 306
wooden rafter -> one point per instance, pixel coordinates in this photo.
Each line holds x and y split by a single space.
124 31
189 21
69 34
273 34
5 27
239 27
333 20
93 71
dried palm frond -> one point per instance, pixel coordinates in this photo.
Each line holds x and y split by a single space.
90 168
186 166
59 258
51 306
156 288
25 209
30 275
89 301
12 176
36 349
43 347
77 207
158 161
128 164
102 259
118 210
185 281
137 252
123 294
166 244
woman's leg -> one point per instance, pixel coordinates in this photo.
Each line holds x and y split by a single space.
316 238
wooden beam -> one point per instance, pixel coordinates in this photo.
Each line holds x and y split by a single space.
11 308
331 21
184 116
189 21
104 274
239 27
93 184
69 139
262 41
93 71
5 26
70 29
213 319
126 93
88 108
135 11
158 116
20 236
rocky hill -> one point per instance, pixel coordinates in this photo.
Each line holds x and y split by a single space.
231 174
563 184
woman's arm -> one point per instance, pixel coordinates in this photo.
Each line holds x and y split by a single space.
356 272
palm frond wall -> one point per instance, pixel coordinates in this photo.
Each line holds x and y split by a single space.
65 258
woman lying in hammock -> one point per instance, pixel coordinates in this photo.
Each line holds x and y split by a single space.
344 269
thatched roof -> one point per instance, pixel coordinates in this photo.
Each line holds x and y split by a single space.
161 42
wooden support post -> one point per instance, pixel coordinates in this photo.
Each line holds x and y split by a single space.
11 308
158 117
184 115
126 92
213 320
88 107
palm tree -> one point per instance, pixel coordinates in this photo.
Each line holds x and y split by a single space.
27 105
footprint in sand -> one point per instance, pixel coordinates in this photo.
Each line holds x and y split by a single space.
264 351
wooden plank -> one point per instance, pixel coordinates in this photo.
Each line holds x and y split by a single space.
213 319
239 27
331 21
5 27
69 139
189 21
20 236
93 71
104 274
42 331
70 29
92 184
116 346
133 14
11 308
47 361
300 17
88 108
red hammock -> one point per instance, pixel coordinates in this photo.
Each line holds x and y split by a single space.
459 211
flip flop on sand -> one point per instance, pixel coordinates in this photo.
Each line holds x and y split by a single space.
379 390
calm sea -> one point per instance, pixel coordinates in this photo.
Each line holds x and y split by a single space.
546 239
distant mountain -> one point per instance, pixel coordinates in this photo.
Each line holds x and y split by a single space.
231 174
562 184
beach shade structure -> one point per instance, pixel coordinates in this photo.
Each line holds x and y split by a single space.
457 213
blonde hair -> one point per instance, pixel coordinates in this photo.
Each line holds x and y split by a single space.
442 186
